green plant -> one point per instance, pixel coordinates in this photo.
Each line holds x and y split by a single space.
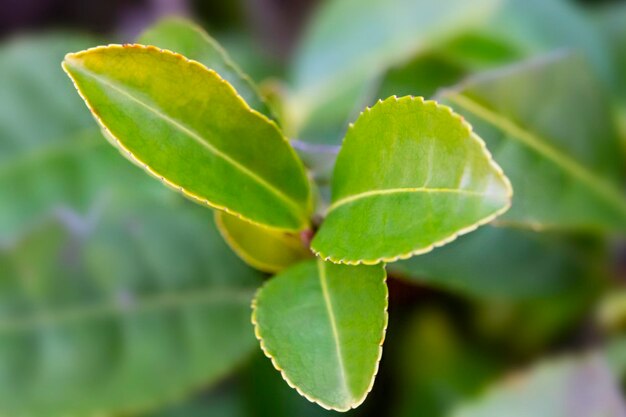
411 175
119 297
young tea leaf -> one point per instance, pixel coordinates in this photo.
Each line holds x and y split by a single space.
323 326
266 249
187 126
410 176
187 39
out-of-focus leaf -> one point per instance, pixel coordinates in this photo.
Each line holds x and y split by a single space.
527 27
323 326
38 182
493 262
194 43
37 105
565 174
43 135
476 51
351 42
611 21
615 352
452 372
410 176
121 311
422 76
266 249
225 401
569 387
526 326
187 126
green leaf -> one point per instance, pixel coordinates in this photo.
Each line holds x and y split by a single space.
121 313
352 42
615 352
565 174
193 42
323 326
410 176
269 250
492 263
38 106
46 139
187 126
582 386
527 25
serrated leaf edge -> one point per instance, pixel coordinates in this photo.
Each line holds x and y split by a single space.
454 236
223 54
118 144
356 402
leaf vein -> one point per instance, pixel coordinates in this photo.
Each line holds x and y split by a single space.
407 190
205 143
333 325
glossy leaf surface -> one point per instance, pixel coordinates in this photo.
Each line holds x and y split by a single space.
410 176
565 175
187 126
323 326
193 42
266 249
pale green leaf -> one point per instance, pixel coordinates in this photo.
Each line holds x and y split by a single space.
527 26
120 313
323 326
352 42
193 42
37 102
410 176
615 352
550 126
266 249
578 386
187 126
44 137
611 22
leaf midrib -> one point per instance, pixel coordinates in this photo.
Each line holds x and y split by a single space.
407 190
201 141
335 331
535 143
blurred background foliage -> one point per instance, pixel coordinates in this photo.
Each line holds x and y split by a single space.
118 297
